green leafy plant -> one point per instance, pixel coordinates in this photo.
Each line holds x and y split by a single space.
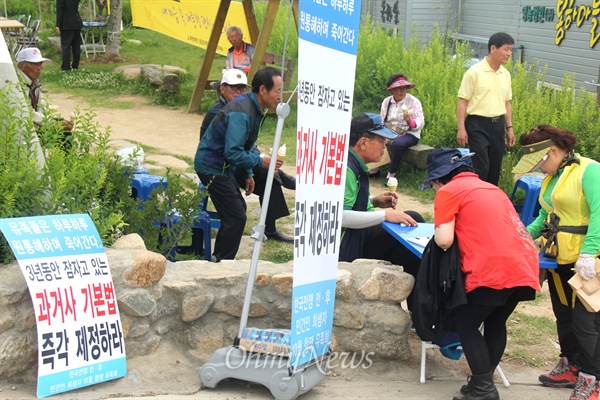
83 174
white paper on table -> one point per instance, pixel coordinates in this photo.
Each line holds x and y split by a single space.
421 241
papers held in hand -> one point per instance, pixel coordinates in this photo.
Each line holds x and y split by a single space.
420 241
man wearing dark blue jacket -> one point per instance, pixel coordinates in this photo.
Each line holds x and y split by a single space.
227 145
68 26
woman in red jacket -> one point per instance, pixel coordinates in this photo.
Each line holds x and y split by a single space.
498 258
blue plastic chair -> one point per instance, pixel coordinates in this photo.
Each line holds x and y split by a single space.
201 224
529 210
215 220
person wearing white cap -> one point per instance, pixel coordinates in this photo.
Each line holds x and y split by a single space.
30 66
233 84
227 145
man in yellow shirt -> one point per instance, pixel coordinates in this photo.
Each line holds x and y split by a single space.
484 112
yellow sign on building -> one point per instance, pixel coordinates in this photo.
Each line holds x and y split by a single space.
190 21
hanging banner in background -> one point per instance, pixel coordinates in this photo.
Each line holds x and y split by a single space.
79 331
190 21
328 36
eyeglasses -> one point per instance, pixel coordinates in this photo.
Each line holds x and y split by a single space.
237 88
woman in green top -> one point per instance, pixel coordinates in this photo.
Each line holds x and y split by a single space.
570 200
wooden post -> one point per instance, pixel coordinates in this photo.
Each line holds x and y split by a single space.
263 38
209 57
250 20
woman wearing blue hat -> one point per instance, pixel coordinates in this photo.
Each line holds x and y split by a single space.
498 259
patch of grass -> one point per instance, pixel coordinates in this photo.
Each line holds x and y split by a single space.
526 338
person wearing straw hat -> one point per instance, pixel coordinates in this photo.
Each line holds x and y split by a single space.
498 259
570 200
484 112
402 113
363 235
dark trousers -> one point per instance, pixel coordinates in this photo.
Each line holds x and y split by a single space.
562 299
486 140
70 41
397 148
483 351
277 207
231 206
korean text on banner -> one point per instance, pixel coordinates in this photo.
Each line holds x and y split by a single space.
80 336
190 21
328 34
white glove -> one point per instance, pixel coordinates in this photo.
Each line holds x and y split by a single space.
585 266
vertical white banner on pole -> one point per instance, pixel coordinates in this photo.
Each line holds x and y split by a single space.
80 336
328 39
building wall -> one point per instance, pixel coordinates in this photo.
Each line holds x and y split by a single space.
534 24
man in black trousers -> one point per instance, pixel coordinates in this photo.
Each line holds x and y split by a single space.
68 26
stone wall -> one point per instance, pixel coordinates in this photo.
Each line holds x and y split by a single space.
195 306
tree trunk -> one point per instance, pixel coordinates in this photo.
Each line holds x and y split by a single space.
114 29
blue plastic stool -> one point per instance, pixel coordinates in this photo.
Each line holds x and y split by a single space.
529 210
215 220
201 224
143 184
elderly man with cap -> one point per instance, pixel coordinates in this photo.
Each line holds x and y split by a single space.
362 233
30 65
403 114
570 200
226 145
498 259
233 84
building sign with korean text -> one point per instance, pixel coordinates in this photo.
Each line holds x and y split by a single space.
328 39
80 336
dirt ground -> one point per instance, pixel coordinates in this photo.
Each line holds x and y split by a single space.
170 374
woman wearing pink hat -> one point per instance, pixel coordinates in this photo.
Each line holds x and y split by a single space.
402 113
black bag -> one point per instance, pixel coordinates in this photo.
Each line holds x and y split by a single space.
439 290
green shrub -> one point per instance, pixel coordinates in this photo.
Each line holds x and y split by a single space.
83 176
437 69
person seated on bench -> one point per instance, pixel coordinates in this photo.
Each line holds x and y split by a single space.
403 114
363 235
239 55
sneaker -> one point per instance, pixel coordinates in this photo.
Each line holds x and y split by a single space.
563 375
586 388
